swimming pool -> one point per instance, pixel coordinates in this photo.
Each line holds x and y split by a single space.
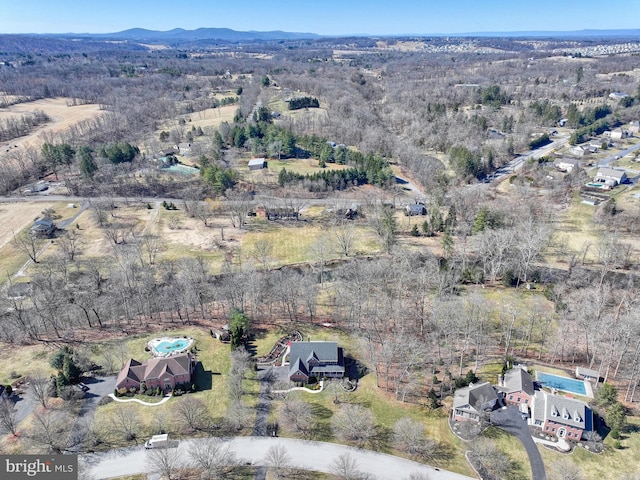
162 347
565 384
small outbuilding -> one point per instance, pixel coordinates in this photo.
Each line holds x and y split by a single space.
587 374
257 164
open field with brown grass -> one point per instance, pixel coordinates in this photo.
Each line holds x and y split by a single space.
62 115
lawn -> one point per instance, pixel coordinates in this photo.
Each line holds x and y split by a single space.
211 376
292 242
624 461
384 407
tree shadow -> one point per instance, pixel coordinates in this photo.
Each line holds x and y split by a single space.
381 440
321 431
320 412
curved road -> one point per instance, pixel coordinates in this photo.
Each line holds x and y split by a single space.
307 455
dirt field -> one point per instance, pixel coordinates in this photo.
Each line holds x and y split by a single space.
14 217
62 117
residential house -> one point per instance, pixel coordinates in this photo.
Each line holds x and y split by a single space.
618 134
611 176
578 151
469 403
165 372
617 95
566 164
184 148
517 387
561 416
169 151
257 164
415 209
587 374
43 227
315 360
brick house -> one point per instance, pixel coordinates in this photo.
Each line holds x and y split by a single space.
314 360
165 372
517 387
561 416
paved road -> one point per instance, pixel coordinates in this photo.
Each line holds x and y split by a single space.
519 161
313 456
509 419
616 156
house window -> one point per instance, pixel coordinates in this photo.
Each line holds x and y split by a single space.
518 399
526 400
546 428
510 397
553 429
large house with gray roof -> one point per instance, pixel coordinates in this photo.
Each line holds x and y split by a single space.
469 403
561 416
166 372
557 415
315 360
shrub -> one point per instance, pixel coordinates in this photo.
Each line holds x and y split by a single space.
617 445
105 400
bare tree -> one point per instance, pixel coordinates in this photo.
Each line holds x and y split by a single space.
51 431
239 205
70 244
278 459
39 388
344 235
28 243
565 470
165 462
262 251
354 423
8 420
151 244
126 422
409 436
297 416
346 467
213 457
191 414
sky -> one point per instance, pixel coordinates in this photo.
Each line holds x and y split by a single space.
325 17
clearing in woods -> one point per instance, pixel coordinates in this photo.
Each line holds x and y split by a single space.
62 115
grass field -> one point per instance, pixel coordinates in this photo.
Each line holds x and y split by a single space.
212 377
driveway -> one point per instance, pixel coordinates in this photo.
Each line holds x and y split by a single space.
98 387
307 455
510 421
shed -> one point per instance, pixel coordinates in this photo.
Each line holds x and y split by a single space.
257 164
587 374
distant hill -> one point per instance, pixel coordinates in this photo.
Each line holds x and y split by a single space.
182 35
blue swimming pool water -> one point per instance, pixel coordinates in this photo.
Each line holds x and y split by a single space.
174 346
562 383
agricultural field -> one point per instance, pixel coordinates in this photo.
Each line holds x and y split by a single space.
63 113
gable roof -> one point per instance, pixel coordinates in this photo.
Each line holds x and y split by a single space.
474 397
560 409
300 353
518 379
323 351
607 172
155 368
